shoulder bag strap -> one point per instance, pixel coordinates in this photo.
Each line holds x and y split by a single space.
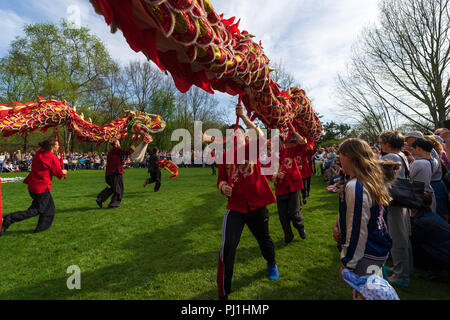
406 167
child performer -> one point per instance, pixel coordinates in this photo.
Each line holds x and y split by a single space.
154 169
288 183
305 163
114 175
45 165
248 194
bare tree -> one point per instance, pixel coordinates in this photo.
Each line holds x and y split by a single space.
282 76
360 104
199 105
144 80
403 65
115 96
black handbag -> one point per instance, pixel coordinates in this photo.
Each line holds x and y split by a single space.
406 193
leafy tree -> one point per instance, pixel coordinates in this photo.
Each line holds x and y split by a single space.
54 61
335 131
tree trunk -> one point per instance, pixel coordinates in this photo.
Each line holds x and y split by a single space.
25 142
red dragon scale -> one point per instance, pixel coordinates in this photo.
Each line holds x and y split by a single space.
199 47
44 114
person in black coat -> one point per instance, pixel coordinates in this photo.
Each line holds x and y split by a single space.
114 176
154 169
430 238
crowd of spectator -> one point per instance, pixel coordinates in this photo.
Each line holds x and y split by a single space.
420 237
15 162
193 159
327 164
21 162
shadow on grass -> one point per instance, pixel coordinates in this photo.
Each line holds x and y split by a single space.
318 283
11 233
93 196
77 209
156 257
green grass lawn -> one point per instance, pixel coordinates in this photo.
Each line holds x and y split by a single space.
165 245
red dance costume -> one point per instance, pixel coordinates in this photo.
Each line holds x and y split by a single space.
247 206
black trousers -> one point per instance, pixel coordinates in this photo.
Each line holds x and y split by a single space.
115 188
307 188
233 224
155 176
42 205
213 167
290 211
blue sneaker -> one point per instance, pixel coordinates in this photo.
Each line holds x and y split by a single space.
273 272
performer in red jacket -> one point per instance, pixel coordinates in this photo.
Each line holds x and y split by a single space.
44 166
114 176
305 163
288 183
248 194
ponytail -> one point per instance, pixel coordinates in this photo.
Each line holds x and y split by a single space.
48 144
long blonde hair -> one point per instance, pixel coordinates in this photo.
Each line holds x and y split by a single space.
366 169
436 144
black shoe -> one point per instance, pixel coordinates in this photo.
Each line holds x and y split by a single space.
288 242
304 201
302 234
99 202
223 298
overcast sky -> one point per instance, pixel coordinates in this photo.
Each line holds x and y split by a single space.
312 38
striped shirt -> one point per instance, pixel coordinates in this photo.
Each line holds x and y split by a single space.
362 225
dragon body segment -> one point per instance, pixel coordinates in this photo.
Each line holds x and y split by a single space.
41 115
199 47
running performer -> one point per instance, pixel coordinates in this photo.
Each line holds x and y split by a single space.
44 167
154 170
288 183
248 194
114 176
305 165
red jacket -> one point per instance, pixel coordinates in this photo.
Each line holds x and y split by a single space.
292 180
304 161
251 190
114 160
45 165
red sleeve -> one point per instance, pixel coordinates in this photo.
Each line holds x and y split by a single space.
223 174
263 143
298 149
56 167
122 152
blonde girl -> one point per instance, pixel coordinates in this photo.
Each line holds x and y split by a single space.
360 229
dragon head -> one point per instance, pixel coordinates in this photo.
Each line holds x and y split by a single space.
142 125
